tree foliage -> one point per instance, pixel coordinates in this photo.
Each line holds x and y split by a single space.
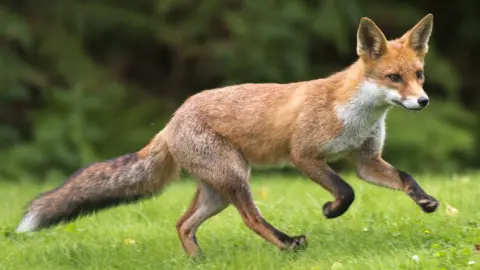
88 80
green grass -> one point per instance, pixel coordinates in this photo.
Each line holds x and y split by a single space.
382 230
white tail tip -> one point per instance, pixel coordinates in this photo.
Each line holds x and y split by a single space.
29 224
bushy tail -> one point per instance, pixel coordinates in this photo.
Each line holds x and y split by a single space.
102 185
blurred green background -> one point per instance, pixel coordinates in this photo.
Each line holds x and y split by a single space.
83 81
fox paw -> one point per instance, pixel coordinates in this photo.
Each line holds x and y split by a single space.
299 242
331 210
428 203
326 210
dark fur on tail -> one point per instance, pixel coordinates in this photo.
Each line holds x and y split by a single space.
123 180
78 206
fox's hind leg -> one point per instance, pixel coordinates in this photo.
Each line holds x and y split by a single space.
205 204
242 198
215 162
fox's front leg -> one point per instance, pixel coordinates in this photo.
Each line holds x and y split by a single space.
375 170
318 171
372 168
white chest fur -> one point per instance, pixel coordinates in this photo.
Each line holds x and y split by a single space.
365 112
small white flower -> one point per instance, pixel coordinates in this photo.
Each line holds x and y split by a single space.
471 262
415 258
365 229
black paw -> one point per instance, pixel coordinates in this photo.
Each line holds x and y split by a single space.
428 203
299 242
326 210
331 210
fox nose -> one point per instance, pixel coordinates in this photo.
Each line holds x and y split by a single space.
423 101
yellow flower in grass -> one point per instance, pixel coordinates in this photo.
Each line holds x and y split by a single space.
129 242
263 193
451 211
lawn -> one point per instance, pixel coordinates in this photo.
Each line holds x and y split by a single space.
383 229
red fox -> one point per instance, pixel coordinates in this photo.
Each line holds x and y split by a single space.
217 135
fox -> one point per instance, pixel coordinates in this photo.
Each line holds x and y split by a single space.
217 135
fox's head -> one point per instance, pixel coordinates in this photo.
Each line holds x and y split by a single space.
395 67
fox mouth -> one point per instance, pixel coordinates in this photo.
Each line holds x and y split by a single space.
400 104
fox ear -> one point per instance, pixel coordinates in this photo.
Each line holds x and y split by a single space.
371 41
417 38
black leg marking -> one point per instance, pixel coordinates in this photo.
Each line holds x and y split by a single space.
426 202
344 197
295 242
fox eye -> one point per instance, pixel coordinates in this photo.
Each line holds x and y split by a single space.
419 74
394 77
